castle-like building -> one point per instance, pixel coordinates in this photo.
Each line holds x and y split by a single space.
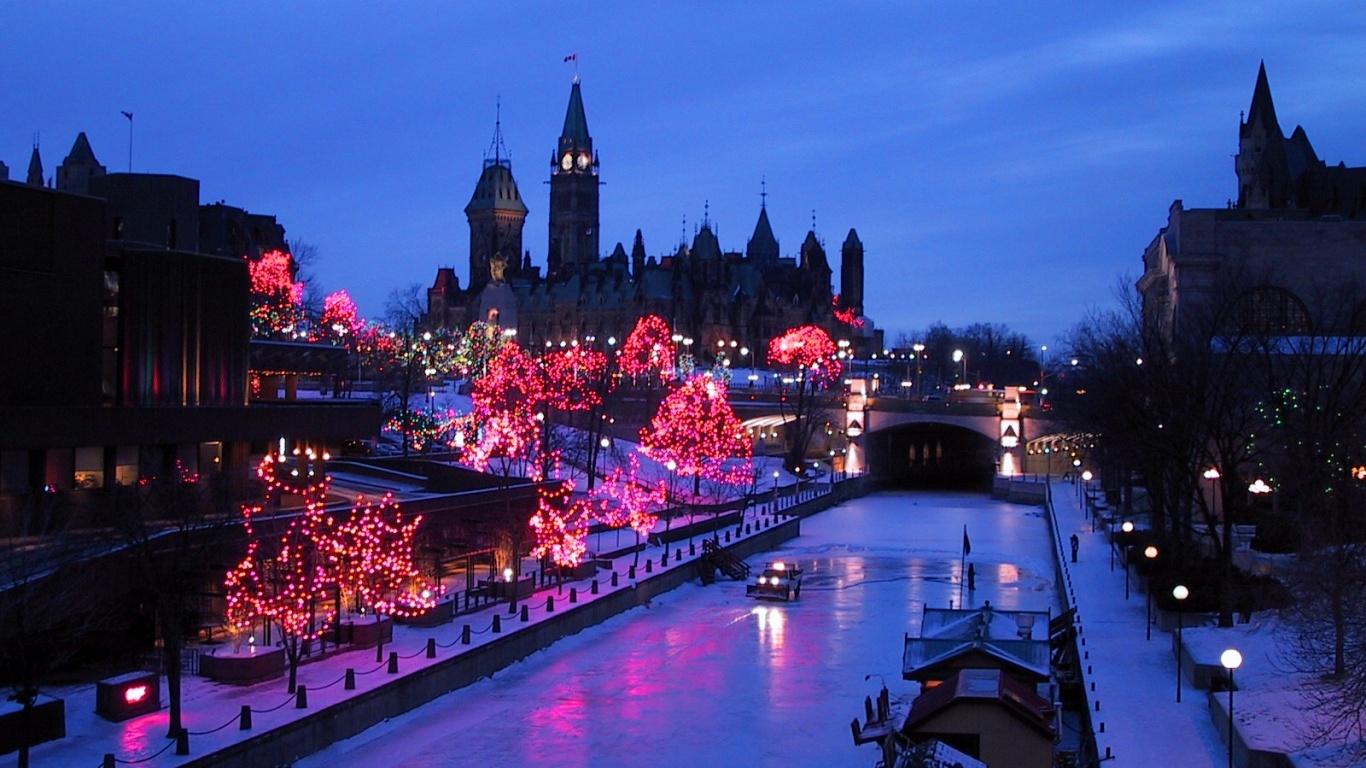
722 300
1292 247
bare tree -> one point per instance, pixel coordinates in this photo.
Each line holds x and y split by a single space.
50 607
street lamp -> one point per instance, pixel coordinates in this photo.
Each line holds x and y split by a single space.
917 348
959 359
1151 554
1180 593
1231 659
775 491
1127 528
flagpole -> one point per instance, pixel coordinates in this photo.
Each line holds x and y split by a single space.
962 563
129 115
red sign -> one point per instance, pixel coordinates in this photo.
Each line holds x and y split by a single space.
135 694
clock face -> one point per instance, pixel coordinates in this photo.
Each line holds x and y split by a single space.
583 162
567 161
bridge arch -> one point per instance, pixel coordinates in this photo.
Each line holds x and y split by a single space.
932 454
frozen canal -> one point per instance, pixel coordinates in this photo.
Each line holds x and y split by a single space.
706 676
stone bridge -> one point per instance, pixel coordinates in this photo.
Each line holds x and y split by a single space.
952 444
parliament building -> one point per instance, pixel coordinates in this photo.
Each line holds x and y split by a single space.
720 299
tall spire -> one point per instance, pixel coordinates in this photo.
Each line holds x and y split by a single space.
1261 102
575 121
35 166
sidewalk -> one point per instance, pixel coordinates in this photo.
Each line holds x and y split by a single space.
1129 682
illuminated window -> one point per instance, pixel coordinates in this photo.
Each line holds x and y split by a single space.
89 468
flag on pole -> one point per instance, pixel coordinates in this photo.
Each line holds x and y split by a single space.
572 57
128 115
967 545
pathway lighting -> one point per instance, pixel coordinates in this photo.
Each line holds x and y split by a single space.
1151 554
1180 592
1231 659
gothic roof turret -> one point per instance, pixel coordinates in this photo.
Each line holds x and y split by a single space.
813 254
851 240
762 246
81 152
1262 109
705 246
497 189
575 121
35 168
4 171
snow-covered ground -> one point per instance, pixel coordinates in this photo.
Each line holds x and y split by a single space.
706 676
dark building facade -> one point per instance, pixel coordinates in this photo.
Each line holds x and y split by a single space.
724 300
131 356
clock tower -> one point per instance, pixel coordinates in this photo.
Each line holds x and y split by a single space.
573 194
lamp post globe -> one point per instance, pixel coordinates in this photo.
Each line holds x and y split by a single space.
1180 592
1231 659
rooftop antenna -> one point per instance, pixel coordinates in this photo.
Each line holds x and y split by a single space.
813 219
763 192
706 212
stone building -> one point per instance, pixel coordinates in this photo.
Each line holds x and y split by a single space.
720 299
1293 245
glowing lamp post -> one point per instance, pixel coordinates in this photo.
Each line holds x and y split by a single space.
1180 592
959 360
1231 659
1151 554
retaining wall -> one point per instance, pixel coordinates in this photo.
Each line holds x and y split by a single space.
321 728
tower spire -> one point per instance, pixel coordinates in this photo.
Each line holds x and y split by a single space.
763 192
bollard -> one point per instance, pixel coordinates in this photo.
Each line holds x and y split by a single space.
182 741
746 527
664 560
108 761
550 604
1097 705
465 635
526 615
727 535
350 683
614 578
1102 730
244 719
678 555
592 590
1093 686
393 662
1088 669
630 572
301 697
497 624
692 549
574 593
431 647
649 567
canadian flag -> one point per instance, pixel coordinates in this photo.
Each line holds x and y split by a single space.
572 57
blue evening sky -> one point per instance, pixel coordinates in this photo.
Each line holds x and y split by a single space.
1002 162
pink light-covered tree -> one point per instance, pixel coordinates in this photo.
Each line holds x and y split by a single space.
695 433
626 497
647 349
809 355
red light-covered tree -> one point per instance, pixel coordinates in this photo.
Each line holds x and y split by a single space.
282 579
808 354
340 321
574 378
277 300
647 349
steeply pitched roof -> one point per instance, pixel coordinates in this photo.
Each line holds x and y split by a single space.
762 244
575 122
81 153
1017 698
1261 102
35 168
496 190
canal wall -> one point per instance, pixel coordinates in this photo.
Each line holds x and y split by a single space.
320 728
